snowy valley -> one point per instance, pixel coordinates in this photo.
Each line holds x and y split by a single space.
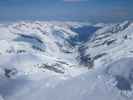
66 61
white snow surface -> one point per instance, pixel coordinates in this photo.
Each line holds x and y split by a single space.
38 61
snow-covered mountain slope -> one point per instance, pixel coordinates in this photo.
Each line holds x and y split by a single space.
111 42
42 43
66 61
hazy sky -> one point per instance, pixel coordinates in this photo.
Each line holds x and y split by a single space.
79 10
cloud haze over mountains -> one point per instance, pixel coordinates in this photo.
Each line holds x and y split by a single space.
77 10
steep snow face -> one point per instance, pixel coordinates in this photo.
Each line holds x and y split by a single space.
50 59
111 45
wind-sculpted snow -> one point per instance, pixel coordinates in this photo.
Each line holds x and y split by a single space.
66 61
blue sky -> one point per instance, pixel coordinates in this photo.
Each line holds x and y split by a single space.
75 10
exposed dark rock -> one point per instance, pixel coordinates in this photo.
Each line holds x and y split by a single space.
99 56
21 51
52 68
38 48
29 39
109 42
84 59
125 36
123 83
10 72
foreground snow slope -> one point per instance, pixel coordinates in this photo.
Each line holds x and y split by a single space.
50 61
101 83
